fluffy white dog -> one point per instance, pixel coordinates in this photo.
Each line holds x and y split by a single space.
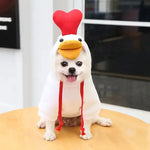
71 72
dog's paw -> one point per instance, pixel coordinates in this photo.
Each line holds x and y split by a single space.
87 136
41 124
104 122
49 136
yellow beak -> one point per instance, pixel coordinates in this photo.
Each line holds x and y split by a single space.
70 49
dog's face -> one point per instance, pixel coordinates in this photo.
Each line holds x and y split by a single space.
72 70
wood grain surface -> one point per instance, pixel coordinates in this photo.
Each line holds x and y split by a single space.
18 131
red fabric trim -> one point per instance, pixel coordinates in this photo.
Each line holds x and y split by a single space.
60 106
82 96
67 22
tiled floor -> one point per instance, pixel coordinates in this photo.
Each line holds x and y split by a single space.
140 114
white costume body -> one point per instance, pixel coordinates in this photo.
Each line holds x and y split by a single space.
71 99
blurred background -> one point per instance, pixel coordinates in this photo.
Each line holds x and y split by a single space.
118 35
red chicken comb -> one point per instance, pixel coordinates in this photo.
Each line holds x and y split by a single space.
67 22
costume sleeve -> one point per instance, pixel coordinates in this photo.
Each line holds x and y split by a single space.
92 102
48 107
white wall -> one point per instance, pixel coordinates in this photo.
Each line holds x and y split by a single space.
11 67
25 34
41 44
44 35
23 72
15 66
10 79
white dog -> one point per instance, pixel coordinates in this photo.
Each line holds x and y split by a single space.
71 72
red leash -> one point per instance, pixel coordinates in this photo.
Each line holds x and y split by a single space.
60 107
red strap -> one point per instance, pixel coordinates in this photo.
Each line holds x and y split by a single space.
82 95
60 106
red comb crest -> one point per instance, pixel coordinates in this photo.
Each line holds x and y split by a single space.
67 22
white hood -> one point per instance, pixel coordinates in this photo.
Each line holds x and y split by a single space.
48 108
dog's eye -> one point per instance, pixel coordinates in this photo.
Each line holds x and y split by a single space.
64 63
61 40
79 39
79 63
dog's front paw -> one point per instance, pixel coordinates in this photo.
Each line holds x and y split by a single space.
49 136
104 122
41 124
87 136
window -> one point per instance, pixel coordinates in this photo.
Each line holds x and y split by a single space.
118 34
126 10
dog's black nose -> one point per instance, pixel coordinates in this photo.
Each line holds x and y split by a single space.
72 70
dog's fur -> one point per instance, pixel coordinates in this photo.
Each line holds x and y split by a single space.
81 72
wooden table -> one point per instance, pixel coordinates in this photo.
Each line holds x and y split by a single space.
18 131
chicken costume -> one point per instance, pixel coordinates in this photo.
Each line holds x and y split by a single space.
68 99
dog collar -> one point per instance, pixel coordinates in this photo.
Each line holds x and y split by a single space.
60 107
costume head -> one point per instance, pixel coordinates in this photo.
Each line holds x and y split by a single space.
69 45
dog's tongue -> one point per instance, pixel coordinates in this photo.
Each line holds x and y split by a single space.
71 78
